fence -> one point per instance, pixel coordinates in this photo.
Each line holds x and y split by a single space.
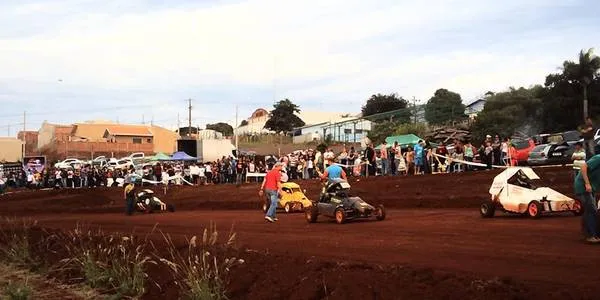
84 150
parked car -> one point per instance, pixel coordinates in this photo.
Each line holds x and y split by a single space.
120 164
523 147
538 155
68 163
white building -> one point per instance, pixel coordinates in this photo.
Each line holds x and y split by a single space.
474 108
349 129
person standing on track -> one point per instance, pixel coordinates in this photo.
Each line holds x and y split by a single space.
129 195
272 186
586 185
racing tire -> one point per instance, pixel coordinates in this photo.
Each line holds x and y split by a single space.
577 208
311 214
265 207
170 207
534 209
380 212
487 209
340 216
287 208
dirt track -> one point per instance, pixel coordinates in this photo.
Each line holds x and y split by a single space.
433 244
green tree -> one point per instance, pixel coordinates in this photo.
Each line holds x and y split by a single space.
224 128
243 123
443 107
584 72
508 112
282 117
380 131
380 103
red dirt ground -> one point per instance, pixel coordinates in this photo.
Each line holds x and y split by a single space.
433 244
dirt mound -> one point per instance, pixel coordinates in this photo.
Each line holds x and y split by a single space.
463 190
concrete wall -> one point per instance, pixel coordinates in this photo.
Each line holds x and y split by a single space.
165 140
129 139
306 138
11 149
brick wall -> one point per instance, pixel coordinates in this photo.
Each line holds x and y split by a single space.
93 149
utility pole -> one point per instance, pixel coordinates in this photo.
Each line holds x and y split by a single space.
24 128
152 121
8 130
178 124
235 130
143 120
190 117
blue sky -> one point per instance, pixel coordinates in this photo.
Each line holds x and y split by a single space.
69 61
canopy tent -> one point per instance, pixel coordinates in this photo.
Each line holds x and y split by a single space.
160 156
403 140
182 156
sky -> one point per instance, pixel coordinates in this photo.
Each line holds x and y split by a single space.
136 61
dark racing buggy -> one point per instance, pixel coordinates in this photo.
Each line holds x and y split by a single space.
147 202
336 202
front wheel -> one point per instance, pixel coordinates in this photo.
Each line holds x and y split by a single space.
340 216
380 213
487 209
311 214
265 207
534 209
287 208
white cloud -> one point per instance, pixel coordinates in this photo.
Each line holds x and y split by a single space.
327 51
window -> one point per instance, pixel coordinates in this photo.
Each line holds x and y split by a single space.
149 141
347 131
358 131
137 140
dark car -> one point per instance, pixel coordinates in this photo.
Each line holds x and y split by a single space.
538 155
336 202
560 153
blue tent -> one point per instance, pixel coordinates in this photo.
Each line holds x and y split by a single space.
182 156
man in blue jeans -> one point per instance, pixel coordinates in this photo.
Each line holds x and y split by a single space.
272 186
586 185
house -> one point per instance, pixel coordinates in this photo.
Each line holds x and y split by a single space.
474 108
256 123
30 138
128 134
347 129
94 138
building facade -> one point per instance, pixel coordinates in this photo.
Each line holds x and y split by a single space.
345 130
474 108
11 149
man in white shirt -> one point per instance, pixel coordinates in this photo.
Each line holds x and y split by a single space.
201 175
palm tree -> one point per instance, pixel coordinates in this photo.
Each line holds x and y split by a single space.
583 73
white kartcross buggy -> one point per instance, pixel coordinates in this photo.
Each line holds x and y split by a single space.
515 191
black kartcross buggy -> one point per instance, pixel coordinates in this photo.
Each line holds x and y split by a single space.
148 203
336 202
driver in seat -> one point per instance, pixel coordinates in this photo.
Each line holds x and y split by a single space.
332 174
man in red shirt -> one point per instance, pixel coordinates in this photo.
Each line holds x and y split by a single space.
272 186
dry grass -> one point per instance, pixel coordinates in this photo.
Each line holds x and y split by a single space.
200 273
115 264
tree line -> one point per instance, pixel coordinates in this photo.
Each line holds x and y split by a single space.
561 103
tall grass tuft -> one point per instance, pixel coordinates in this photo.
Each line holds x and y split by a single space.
15 246
113 263
17 291
200 273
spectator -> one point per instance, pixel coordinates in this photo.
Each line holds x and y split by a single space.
578 157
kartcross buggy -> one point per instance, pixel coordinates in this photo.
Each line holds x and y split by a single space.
516 190
335 202
148 203
292 199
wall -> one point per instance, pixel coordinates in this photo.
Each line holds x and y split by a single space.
165 140
45 135
307 138
93 149
31 141
129 139
11 150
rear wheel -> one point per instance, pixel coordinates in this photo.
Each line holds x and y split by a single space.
380 213
487 209
340 216
311 214
534 209
287 207
265 207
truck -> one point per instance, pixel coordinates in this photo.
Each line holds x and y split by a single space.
207 150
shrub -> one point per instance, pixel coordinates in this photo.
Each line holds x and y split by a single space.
200 273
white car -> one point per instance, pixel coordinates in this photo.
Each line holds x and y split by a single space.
123 163
515 190
68 163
